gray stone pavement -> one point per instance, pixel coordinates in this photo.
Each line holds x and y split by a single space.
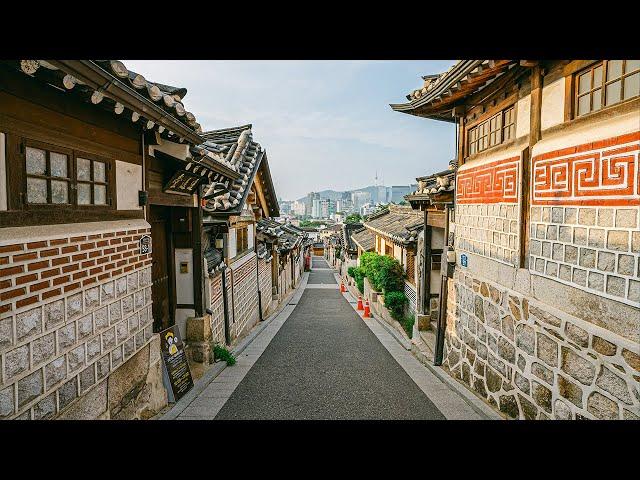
319 359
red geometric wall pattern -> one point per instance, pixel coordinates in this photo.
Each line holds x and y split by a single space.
495 182
603 173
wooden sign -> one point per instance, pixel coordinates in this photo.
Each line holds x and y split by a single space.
145 244
177 375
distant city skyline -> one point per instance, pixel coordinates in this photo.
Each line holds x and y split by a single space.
324 124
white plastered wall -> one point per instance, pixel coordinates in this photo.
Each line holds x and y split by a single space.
606 127
552 104
128 184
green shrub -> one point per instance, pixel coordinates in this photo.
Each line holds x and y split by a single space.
221 353
390 275
383 271
351 271
395 302
407 324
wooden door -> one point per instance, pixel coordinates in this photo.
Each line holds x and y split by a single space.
160 268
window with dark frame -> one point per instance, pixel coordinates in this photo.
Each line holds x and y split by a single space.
91 178
493 131
606 83
242 240
48 176
54 173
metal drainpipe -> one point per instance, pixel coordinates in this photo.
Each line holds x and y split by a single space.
225 300
144 208
255 248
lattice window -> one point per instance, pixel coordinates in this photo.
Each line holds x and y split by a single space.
605 84
493 131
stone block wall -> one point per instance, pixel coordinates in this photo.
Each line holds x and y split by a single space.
487 210
76 306
264 273
585 216
245 295
217 305
534 362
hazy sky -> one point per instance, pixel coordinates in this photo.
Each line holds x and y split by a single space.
324 124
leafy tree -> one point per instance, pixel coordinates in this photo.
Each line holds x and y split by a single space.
353 218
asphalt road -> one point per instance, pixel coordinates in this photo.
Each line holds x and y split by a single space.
325 363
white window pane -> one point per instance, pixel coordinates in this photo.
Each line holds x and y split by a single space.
99 195
597 77
59 192
36 190
583 105
84 194
58 164
613 93
614 69
98 172
597 99
84 169
632 86
36 161
632 65
584 82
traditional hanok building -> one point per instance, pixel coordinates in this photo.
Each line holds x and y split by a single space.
364 240
396 229
434 197
288 243
238 287
543 317
95 162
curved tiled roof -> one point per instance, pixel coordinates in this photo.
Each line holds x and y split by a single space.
241 154
399 223
166 97
365 239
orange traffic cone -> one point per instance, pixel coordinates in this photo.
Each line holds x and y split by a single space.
342 287
360 307
367 312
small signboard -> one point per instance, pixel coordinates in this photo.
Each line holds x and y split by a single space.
463 260
177 375
145 244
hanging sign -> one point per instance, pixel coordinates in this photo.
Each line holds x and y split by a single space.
177 375
463 260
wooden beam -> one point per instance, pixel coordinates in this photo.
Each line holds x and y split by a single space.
535 129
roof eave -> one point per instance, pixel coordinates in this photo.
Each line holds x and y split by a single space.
95 77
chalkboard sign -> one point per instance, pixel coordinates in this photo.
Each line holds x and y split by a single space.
176 367
145 244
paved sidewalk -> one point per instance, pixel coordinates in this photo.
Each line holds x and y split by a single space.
319 359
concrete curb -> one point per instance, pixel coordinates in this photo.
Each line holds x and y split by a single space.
208 377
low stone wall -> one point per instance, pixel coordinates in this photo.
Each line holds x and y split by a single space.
264 272
245 295
76 313
534 362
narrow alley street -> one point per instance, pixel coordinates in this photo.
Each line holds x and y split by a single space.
317 360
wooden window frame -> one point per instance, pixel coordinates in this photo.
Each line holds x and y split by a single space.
72 178
107 183
473 134
242 240
575 69
48 149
